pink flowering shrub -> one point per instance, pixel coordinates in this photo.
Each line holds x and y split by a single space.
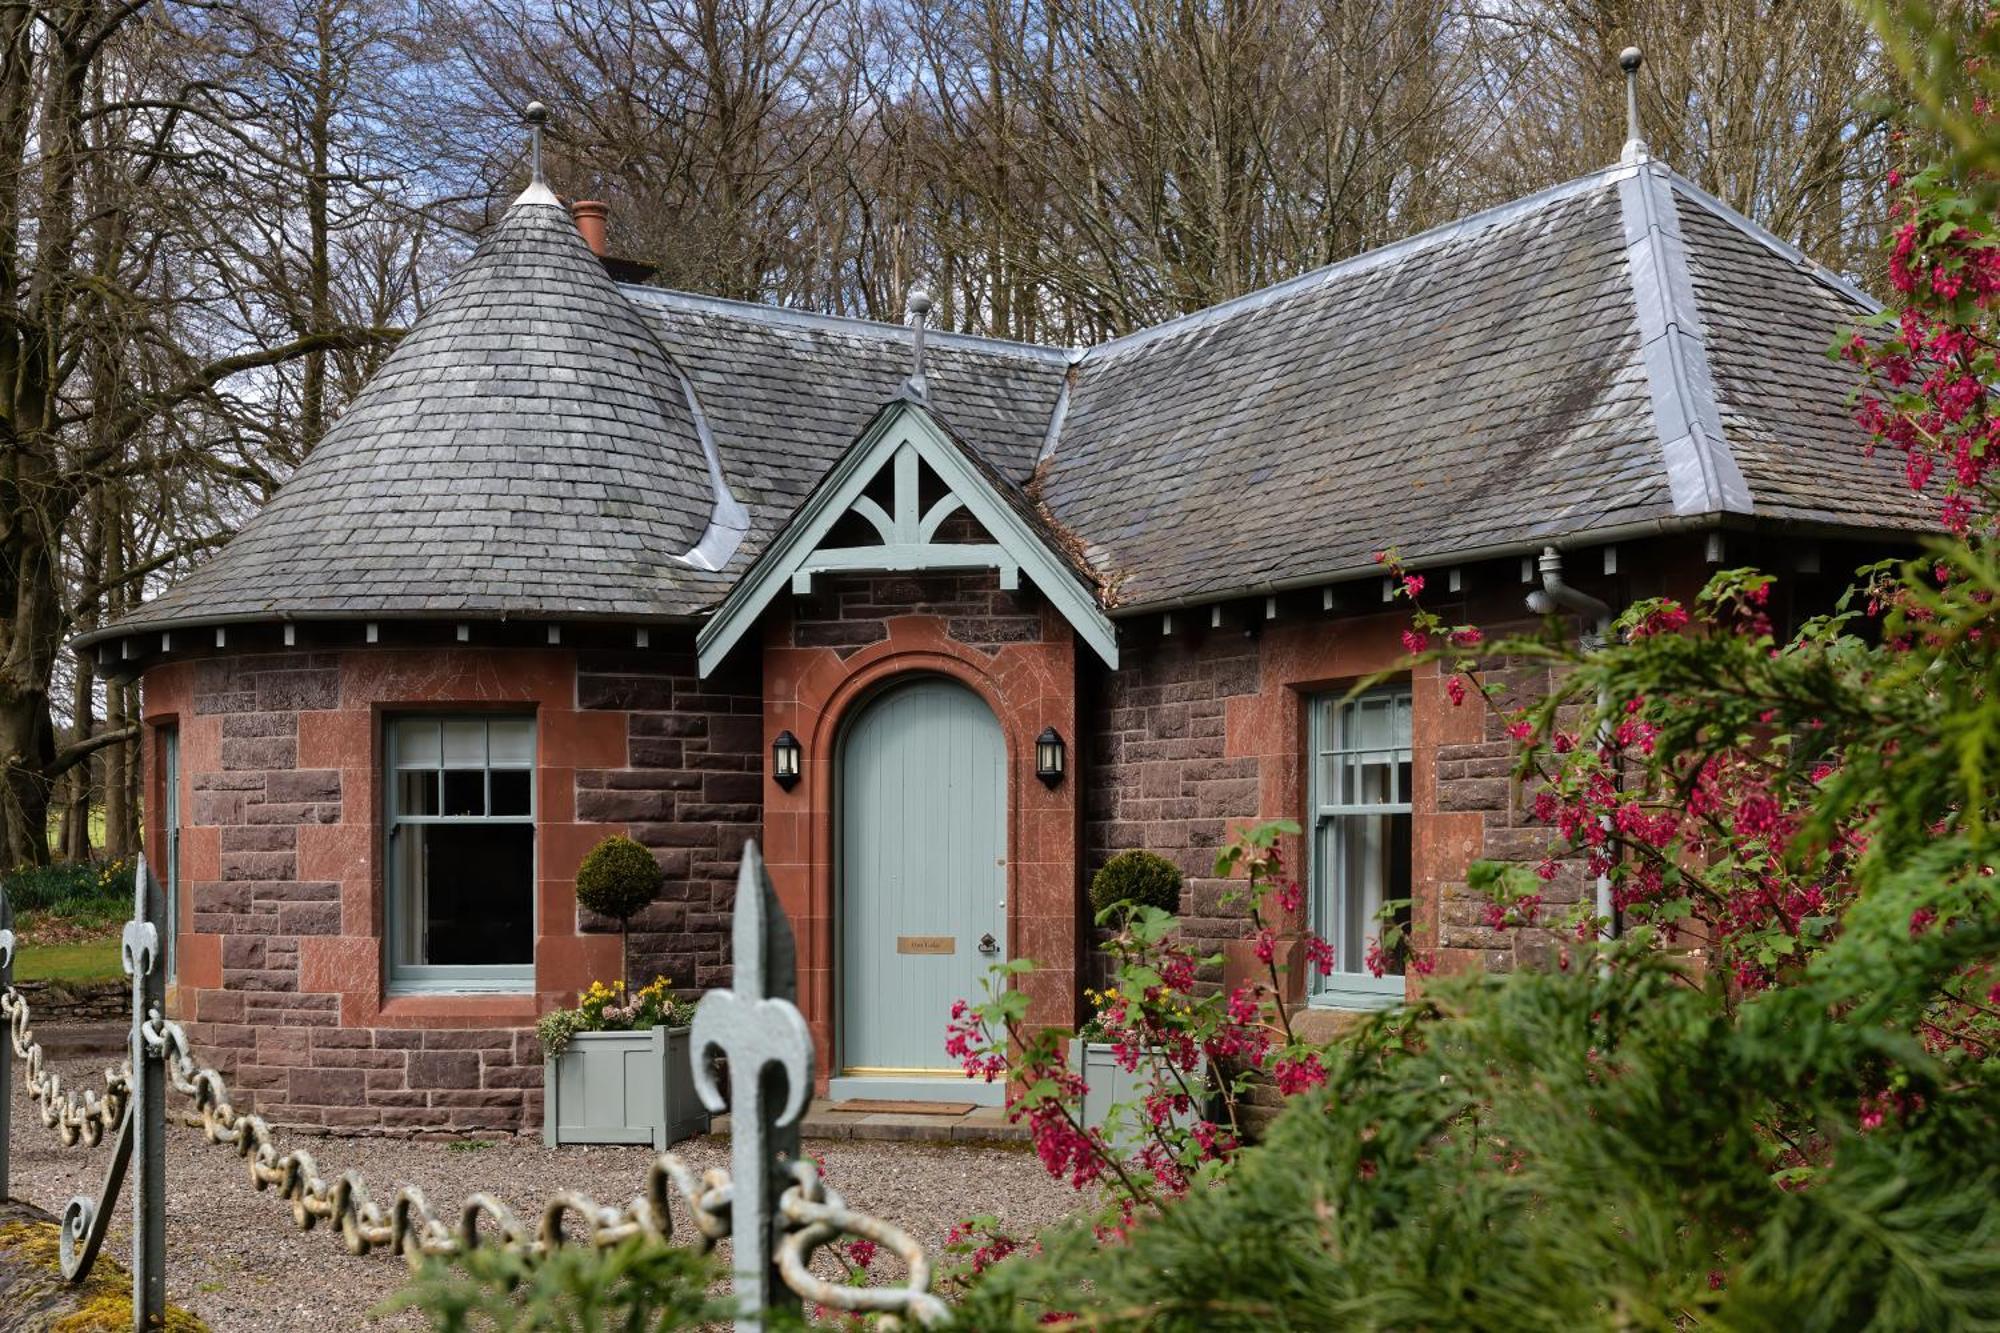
1196 1050
1741 792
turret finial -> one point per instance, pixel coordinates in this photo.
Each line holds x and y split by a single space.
537 116
1629 60
919 304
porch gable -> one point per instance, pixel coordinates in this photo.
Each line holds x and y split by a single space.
902 530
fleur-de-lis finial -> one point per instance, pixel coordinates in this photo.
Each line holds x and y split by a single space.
757 1028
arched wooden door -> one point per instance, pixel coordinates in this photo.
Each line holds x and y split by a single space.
922 811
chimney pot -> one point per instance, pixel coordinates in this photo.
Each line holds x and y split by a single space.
590 215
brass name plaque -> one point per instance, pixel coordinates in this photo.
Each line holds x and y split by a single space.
926 944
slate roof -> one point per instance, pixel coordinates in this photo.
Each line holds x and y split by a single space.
1783 400
1482 389
526 450
788 393
1615 356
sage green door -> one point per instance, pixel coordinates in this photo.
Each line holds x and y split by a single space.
923 872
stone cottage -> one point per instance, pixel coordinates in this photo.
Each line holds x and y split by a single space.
943 621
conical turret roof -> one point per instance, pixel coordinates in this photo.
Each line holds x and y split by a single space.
527 450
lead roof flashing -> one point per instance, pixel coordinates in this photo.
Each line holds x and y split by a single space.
1702 472
812 321
728 520
1060 412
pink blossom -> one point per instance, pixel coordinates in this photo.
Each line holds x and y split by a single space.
1320 954
1296 1076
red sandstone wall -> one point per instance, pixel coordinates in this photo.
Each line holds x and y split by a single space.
1198 732
281 965
691 789
1203 731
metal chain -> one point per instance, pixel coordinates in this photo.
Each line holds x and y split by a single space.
814 1215
76 1117
408 1226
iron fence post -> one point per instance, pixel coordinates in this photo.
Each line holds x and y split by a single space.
757 1028
149 1106
6 1049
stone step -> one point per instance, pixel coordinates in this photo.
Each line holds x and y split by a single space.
826 1121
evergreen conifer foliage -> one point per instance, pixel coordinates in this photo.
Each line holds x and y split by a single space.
1590 1148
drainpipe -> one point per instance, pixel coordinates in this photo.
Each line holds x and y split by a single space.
1555 595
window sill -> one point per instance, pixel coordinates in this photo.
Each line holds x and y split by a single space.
1359 999
490 1008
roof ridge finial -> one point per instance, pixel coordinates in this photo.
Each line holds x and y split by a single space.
919 304
1629 60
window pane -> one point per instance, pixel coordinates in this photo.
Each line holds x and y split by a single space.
1369 779
473 900
1371 751
465 791
1373 724
510 791
510 740
416 744
464 744
417 792
406 855
1374 868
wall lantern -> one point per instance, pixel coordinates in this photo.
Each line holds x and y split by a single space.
785 752
1049 757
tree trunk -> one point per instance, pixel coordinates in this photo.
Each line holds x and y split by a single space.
319 271
28 742
75 840
117 758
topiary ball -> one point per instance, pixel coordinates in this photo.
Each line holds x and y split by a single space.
1144 879
618 878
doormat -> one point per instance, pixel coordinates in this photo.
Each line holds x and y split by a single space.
889 1106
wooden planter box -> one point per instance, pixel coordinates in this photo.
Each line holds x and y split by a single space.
622 1087
1106 1083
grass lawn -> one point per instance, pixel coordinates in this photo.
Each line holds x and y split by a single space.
82 960
96 828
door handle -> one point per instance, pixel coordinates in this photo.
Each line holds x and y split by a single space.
987 944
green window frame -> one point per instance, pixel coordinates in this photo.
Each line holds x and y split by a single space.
1359 854
169 737
459 844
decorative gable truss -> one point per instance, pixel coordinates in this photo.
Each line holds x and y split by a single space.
905 497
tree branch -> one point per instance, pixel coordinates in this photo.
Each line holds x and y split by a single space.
204 380
69 756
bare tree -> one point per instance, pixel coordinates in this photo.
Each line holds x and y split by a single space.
120 343
1775 106
212 216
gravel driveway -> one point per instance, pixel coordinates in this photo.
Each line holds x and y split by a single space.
235 1259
